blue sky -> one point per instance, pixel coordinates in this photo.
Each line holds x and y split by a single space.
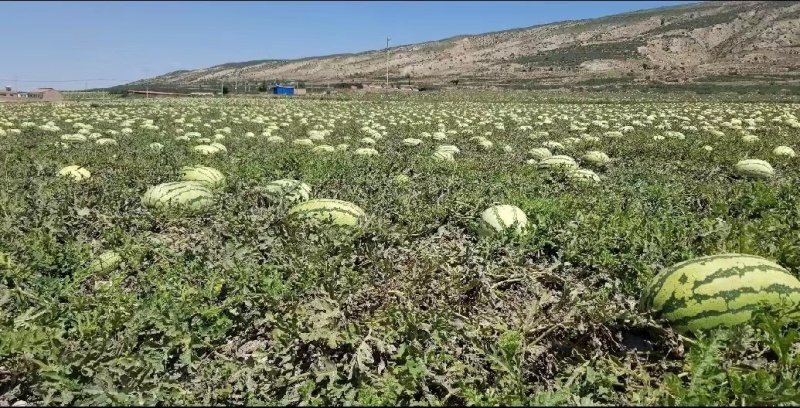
70 45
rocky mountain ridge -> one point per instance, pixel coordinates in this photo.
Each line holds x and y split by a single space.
670 43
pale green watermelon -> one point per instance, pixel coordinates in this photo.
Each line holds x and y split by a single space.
754 168
104 263
338 212
185 195
784 151
596 158
202 174
503 217
77 173
287 189
558 162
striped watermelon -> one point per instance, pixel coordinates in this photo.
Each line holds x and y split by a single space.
448 149
499 218
442 156
550 144
717 290
275 139
77 173
105 141
366 151
558 162
206 149
74 138
596 158
336 211
316 135
675 134
106 262
411 141
583 176
485 144
783 151
156 146
220 147
539 153
287 189
188 195
402 179
204 175
754 168
750 138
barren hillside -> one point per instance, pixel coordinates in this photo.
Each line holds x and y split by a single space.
671 43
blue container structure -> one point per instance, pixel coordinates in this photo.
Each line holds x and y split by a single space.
282 90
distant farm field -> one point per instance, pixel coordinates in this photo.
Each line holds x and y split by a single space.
223 287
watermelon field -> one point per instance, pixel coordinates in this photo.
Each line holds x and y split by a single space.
457 249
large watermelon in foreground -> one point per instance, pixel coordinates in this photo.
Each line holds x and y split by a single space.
499 218
755 169
187 195
336 211
718 290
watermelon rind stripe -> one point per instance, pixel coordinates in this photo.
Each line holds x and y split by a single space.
738 271
673 306
687 321
196 199
176 192
652 291
170 193
158 193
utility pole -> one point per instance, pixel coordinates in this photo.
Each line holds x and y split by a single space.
387 63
